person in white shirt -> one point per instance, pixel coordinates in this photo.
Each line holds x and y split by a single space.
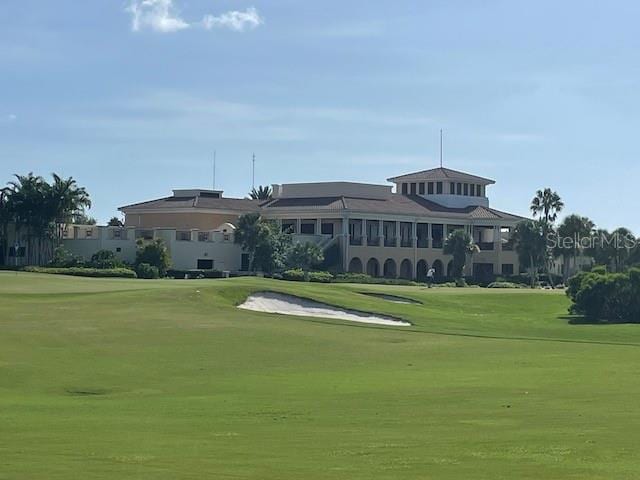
430 274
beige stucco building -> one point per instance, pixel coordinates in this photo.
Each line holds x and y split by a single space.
393 230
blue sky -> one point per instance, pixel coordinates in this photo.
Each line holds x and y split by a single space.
132 98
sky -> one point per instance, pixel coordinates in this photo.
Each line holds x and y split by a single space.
132 97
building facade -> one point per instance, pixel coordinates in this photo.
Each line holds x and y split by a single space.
382 230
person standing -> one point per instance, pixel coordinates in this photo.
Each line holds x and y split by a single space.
430 275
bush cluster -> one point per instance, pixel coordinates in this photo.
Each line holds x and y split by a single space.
191 274
609 297
503 284
147 271
298 275
84 271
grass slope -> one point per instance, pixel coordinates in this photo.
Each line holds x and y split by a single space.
111 378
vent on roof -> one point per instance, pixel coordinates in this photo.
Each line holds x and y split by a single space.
191 193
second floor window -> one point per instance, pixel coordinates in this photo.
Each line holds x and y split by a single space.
430 190
439 188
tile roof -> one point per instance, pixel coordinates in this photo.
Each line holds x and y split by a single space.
203 202
440 173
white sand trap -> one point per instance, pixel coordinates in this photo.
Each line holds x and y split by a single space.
271 302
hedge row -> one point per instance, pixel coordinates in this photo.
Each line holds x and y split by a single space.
84 272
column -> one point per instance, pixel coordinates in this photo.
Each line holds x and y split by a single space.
345 239
363 232
414 232
298 225
397 234
429 234
318 228
380 233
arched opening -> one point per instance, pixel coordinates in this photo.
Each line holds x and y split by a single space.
355 265
406 269
422 269
389 269
439 269
373 267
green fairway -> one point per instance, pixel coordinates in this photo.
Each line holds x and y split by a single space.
133 379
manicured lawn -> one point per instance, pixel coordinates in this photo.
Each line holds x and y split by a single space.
132 379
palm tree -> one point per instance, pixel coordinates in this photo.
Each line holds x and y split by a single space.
547 204
575 228
459 244
261 193
67 200
5 219
531 246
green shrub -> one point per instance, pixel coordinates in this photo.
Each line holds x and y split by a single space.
63 258
320 277
503 284
105 259
611 297
154 253
191 274
84 272
144 270
364 278
461 282
295 275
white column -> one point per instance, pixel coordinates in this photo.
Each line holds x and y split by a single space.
380 233
318 228
429 233
397 234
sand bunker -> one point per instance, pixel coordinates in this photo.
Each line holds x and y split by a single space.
271 302
393 298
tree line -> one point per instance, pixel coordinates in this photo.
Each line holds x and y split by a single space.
39 210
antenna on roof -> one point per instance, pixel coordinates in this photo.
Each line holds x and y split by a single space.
214 169
253 172
440 148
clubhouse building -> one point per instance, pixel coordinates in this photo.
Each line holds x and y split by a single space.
382 230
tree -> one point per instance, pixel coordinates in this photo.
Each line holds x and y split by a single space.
304 256
262 239
531 246
546 204
115 222
261 193
459 244
67 200
5 219
105 259
81 218
573 230
155 254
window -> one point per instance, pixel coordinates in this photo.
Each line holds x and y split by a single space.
118 249
421 188
326 229
430 190
413 189
439 188
183 235
88 233
452 188
466 189
205 264
507 269
203 236
473 190
405 188
458 189
308 228
479 190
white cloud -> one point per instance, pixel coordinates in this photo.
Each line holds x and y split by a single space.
234 20
12 117
162 16
157 15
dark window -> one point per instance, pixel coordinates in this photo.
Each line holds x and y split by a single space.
118 249
326 229
405 188
452 188
507 269
466 189
205 264
307 228
458 189
439 188
244 261
479 190
421 188
473 190
430 188
414 189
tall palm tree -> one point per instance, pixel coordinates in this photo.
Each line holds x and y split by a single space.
261 193
5 219
66 199
547 204
531 246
